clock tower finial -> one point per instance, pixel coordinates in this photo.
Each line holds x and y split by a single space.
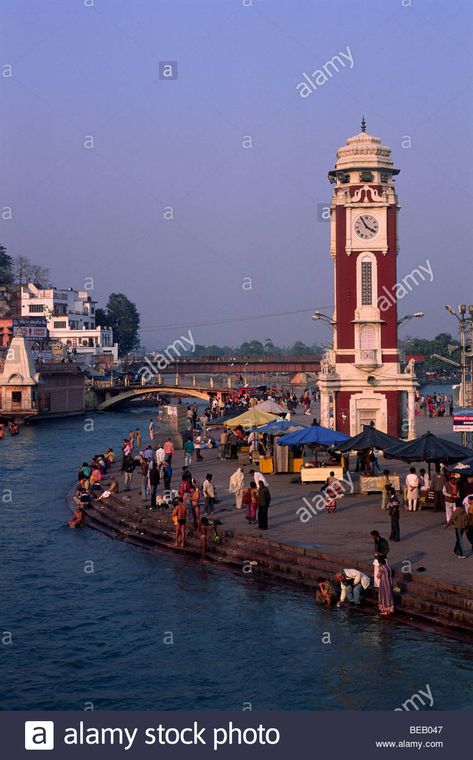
363 124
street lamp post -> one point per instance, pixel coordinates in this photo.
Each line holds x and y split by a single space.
318 315
417 314
465 352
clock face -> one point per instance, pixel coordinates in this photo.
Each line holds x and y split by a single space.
366 226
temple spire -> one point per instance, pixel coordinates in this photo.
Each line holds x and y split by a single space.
363 124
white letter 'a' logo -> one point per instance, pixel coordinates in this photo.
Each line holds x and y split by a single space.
39 734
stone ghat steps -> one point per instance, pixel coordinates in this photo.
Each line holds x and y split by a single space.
449 607
298 557
413 600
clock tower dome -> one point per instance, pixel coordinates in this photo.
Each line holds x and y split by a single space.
361 379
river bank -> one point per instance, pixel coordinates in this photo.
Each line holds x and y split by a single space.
101 623
429 603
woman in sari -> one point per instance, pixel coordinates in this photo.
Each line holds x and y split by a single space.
246 502
333 491
254 502
385 593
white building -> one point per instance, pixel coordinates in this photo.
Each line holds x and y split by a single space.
70 316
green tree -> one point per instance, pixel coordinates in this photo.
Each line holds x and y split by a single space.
251 348
6 267
300 349
440 345
122 315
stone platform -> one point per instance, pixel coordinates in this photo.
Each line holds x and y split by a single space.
295 552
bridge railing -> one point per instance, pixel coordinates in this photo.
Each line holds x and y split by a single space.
177 381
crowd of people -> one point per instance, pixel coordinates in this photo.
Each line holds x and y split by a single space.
89 479
434 405
12 428
445 491
191 501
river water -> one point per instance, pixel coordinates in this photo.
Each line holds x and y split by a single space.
154 631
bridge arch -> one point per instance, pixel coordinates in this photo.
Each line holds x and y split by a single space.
143 390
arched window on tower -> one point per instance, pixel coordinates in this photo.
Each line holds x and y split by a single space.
366 281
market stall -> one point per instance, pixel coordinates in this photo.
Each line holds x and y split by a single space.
371 438
282 458
315 437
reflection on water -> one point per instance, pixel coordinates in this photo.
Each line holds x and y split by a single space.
154 631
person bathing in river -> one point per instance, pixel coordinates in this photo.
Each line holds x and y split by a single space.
110 456
203 536
180 515
82 499
77 519
352 584
195 505
326 593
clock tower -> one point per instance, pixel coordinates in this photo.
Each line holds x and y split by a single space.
361 379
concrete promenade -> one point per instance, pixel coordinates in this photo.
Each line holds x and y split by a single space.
424 541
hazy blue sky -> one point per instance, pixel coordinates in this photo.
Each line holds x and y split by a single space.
239 213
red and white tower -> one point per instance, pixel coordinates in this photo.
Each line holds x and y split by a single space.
361 379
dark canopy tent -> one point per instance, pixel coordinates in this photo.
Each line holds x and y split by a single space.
428 448
369 438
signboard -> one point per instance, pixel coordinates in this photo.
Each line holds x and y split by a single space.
33 328
45 356
463 420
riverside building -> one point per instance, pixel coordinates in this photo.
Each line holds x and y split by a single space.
70 317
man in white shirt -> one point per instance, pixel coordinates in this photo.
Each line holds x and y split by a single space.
208 491
160 456
259 477
352 583
253 440
412 484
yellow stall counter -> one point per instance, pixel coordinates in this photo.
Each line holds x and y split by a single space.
266 466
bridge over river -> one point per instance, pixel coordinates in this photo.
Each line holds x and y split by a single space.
104 395
204 377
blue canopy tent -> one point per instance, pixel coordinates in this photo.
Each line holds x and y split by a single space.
314 434
277 426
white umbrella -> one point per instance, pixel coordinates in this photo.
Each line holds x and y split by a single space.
271 407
